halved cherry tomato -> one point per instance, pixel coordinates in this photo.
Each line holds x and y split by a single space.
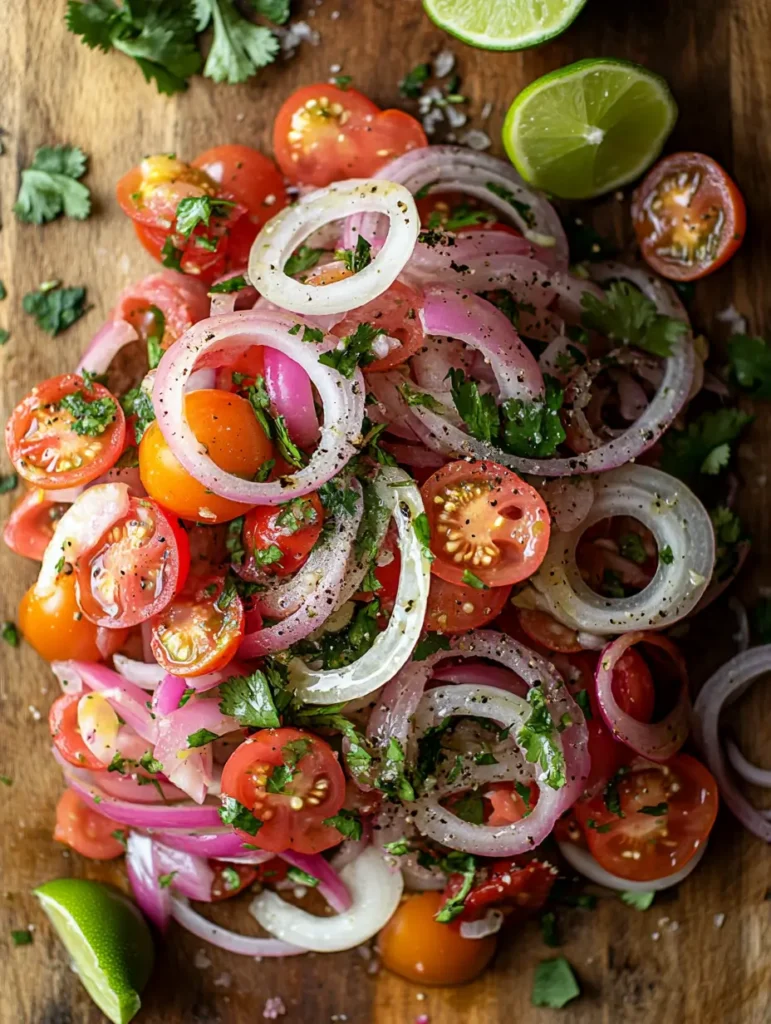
486 523
48 445
689 216
508 804
248 366
322 134
182 301
230 879
417 947
513 885
63 726
227 426
454 608
633 687
31 524
200 630
397 312
667 812
85 831
291 530
545 630
292 810
135 568
54 625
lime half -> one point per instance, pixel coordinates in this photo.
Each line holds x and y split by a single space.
503 24
107 938
589 127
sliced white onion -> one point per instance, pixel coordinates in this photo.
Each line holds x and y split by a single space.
142 673
569 499
750 772
291 227
375 891
244 945
394 645
219 341
677 519
490 924
584 863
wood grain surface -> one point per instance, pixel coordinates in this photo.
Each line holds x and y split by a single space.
670 964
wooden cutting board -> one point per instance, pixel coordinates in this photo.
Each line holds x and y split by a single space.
671 963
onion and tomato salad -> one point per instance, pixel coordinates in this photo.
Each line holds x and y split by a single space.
361 583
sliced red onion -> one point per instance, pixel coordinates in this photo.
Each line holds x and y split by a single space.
331 886
456 169
244 945
375 892
98 725
190 768
529 281
678 521
289 389
105 345
723 688
416 456
192 875
226 302
168 694
582 861
745 769
482 674
141 673
292 225
490 924
479 324
144 874
391 407
658 291
656 741
135 787
125 697
391 649
220 341
432 259
225 846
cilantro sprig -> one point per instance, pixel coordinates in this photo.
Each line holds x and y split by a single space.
628 316
50 186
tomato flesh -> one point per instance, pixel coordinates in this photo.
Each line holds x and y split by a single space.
486 524
689 216
513 884
455 608
291 530
397 312
291 781
85 831
230 879
547 632
31 525
54 625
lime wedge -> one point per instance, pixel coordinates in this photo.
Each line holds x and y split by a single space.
589 127
503 24
107 938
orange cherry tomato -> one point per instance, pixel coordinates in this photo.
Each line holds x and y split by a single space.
227 426
667 812
417 947
44 440
31 525
291 781
63 726
54 625
486 524
689 216
454 608
85 831
397 312
279 538
200 630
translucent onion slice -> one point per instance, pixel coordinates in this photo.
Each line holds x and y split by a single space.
292 226
582 861
679 522
394 645
375 892
244 945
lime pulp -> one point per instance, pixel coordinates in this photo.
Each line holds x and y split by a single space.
503 24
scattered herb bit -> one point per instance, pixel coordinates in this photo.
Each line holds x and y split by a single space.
611 797
235 814
347 823
165 880
397 848
549 928
638 900
9 633
612 585
430 644
302 259
232 284
55 309
463 864
234 543
523 209
6 780
118 763
342 81
279 779
392 779
554 984
89 418
628 316
295 751
430 749
8 482
423 533
201 737
524 793
479 412
537 738
534 429
250 700
296 514
581 697
631 546
470 580
300 877
337 498
356 350
171 256
5 336
21 937
655 810
665 555
150 763
413 397
750 362
50 186
195 210
120 836
592 824
470 807
705 444
138 403
314 334
412 83
3 292
358 258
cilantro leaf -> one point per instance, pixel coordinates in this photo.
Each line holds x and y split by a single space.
358 258
523 209
631 546
295 751
549 932
465 865
537 738
300 877
479 412
356 350
554 984
705 444
534 429
276 11
337 498
430 644
341 648
296 515
470 580
232 284
413 397
391 779
302 259
21 937
8 482
750 362
412 84
628 316
239 48
638 900
50 186
279 779
347 823
89 418
250 700
666 556
655 810
470 807
234 813
195 210
430 750
201 737
138 403
55 309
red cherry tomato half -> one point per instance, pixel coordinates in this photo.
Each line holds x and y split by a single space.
668 812
508 803
85 831
291 781
486 524
135 568
397 312
546 631
457 211
230 879
510 884
43 437
454 608
633 687
200 630
689 216
63 726
31 525
181 300
278 539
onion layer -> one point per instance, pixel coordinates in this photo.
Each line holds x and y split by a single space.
582 861
244 945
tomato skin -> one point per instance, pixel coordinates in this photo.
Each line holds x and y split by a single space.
318 784
512 884
182 300
251 178
63 726
687 202
85 831
137 573
226 424
262 529
30 526
546 631
642 846
632 686
470 532
507 805
55 626
29 446
219 887
418 948
455 608
393 133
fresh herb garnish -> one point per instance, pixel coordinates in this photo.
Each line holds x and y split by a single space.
227 287
665 555
55 308
356 350
463 864
201 737
358 258
250 700
392 779
750 361
430 644
9 633
347 823
628 316
296 514
195 210
50 186
21 937
523 209
705 444
300 877
470 580
412 83
537 737
638 900
631 546
655 810
89 418
234 813
302 259
8 482
138 403
554 984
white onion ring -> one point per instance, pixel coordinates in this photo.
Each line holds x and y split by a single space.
244 945
292 225
723 688
490 924
582 861
221 340
569 499
748 771
676 518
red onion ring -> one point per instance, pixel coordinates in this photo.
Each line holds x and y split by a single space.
289 389
192 875
216 342
745 769
168 694
225 846
656 741
105 345
141 673
127 699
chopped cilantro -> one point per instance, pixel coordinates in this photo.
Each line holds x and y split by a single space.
171 256
296 515
665 555
195 210
549 928
234 543
655 810
50 186
8 482
165 880
55 309
201 737
470 807
235 814
430 644
9 633
430 749
524 793
554 984
250 700
631 546
337 498
534 429
581 697
638 900
750 362
479 412
150 763
356 350
611 797
347 823
412 84
612 585
302 259
523 209
21 937
358 258
342 81
6 780
423 533
295 751
232 284
537 738
341 648
470 580
628 316
463 864
391 779
89 418
761 620
5 336
397 848
314 334
300 877
413 397
705 444
138 403
279 779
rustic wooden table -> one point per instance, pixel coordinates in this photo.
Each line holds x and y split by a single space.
672 963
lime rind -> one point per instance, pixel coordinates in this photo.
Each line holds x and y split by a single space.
503 24
589 128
